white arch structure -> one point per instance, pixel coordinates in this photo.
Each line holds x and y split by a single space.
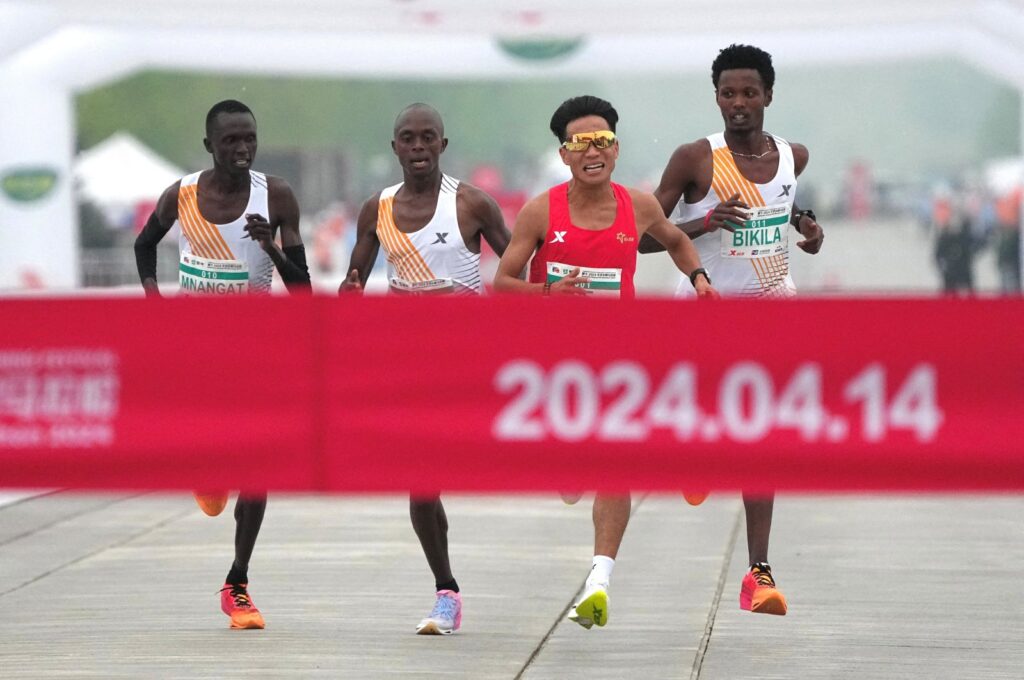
51 49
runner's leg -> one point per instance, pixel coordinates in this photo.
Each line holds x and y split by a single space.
430 523
249 511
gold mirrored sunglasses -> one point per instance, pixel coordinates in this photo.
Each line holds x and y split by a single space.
602 139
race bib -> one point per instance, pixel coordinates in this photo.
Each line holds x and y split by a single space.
764 233
604 282
431 287
200 276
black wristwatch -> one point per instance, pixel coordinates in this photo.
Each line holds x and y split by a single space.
697 272
797 215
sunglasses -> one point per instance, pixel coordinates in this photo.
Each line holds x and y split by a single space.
602 139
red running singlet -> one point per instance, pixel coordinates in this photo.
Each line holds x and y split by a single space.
609 249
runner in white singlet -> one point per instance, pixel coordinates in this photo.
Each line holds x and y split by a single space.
734 194
430 227
229 217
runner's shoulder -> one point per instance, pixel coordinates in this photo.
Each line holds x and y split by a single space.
167 205
277 184
644 201
691 152
534 212
475 198
800 156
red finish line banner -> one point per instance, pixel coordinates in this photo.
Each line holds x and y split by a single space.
511 393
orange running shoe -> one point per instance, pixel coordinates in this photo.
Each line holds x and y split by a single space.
236 603
211 503
695 497
758 593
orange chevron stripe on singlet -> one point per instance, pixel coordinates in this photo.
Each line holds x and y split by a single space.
402 254
727 180
203 236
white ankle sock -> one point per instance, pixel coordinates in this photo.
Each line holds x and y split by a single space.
601 572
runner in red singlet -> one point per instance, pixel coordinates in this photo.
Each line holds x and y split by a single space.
583 238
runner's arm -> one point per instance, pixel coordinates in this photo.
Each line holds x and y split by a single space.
159 223
530 228
678 245
805 224
364 253
681 172
492 222
290 257
670 190
801 156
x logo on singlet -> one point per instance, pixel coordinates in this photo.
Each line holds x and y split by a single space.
785 190
559 237
440 238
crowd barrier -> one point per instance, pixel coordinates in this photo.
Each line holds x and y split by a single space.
511 394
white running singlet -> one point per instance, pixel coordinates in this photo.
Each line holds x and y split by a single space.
754 260
221 259
433 259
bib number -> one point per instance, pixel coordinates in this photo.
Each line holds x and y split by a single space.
200 276
764 233
603 282
431 287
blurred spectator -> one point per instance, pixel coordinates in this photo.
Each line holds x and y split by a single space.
858 191
977 211
328 236
954 244
1008 255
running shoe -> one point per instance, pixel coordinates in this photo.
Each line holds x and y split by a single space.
592 607
446 616
236 603
211 503
571 497
695 497
759 594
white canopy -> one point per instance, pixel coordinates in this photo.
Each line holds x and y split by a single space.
120 172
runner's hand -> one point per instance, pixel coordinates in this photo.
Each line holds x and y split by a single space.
813 235
260 230
705 290
351 284
727 214
571 284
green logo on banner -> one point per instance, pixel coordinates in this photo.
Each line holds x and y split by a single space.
28 184
541 49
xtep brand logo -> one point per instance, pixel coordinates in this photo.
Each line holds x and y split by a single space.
785 190
440 238
559 237
624 239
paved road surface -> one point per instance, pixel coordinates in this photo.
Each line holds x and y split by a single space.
125 586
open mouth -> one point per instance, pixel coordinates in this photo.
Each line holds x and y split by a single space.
593 167
419 163
242 162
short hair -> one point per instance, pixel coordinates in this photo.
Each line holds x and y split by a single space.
419 106
226 106
744 56
579 107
